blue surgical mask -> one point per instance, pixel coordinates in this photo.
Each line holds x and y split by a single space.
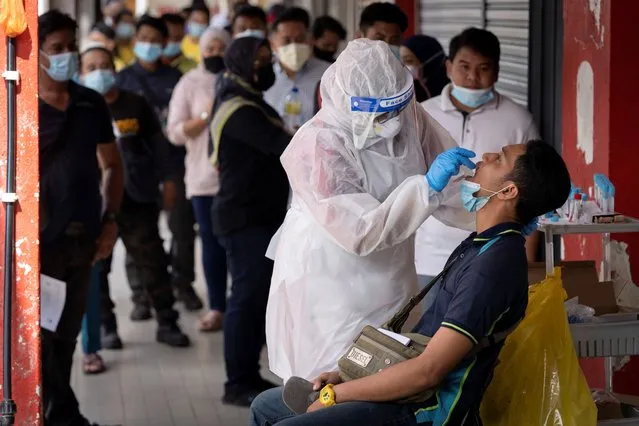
472 98
172 49
470 201
99 80
125 31
395 50
251 33
62 66
195 29
147 52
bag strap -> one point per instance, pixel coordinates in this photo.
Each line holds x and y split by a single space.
493 339
396 323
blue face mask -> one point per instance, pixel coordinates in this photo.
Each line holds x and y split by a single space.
125 31
172 49
62 67
470 201
395 50
195 29
147 52
99 80
472 98
251 33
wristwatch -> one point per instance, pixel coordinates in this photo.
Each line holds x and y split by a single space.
327 396
204 115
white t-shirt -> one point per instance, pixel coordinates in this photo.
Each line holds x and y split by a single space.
489 128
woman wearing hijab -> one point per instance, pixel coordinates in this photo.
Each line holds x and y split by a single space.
248 139
188 120
425 58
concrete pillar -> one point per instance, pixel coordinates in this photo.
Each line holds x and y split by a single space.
599 112
27 388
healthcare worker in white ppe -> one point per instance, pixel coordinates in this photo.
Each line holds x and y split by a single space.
365 172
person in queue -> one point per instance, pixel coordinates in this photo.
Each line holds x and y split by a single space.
328 33
124 26
484 296
366 172
150 78
77 219
110 10
378 21
295 67
104 34
249 21
147 166
172 54
425 58
384 21
188 125
249 206
468 109
196 24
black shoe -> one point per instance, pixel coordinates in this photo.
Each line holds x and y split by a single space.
171 335
109 333
264 385
141 313
242 398
110 339
191 300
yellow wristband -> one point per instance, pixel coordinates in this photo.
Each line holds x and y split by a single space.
327 396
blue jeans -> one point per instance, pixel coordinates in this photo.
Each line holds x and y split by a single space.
91 342
213 254
423 281
245 318
269 409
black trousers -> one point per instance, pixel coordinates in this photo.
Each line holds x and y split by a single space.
138 229
181 221
245 317
68 259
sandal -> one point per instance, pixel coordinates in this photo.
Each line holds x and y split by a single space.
93 364
212 321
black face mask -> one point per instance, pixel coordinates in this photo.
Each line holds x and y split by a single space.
324 55
265 78
214 64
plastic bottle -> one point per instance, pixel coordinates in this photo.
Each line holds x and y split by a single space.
293 110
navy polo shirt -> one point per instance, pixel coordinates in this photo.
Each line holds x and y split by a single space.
484 292
157 87
69 171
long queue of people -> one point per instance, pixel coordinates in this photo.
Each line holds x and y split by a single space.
189 119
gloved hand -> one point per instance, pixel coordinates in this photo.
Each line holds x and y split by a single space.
531 227
447 165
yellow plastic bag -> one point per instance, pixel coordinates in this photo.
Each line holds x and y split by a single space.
13 19
538 380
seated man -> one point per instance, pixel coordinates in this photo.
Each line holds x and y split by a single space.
483 293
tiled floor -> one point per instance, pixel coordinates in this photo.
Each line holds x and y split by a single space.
149 384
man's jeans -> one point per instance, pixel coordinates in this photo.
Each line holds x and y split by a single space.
213 254
269 409
245 318
68 259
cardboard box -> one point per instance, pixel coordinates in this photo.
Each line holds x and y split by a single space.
580 279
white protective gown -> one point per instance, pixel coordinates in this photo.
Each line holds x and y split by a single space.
344 256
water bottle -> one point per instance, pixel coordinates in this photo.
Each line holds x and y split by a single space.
293 110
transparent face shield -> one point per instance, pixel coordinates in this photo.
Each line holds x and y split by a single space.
375 119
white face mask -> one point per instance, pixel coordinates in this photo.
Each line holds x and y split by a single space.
388 129
293 56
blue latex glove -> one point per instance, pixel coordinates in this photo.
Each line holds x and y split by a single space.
530 228
447 165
